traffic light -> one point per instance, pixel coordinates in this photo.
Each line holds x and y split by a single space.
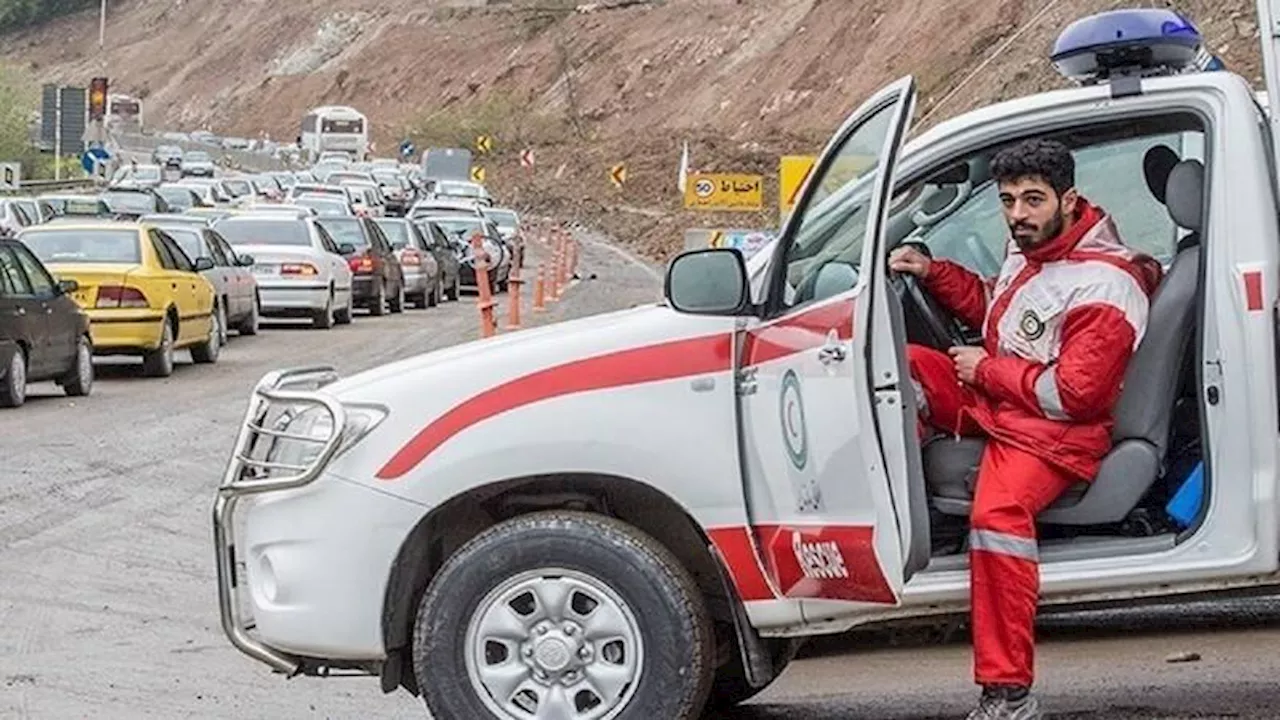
98 98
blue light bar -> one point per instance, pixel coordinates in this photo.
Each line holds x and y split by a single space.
1136 43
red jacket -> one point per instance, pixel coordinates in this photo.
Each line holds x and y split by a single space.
1059 324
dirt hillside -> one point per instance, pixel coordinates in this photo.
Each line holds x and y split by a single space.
585 84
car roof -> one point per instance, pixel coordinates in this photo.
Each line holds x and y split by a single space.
92 225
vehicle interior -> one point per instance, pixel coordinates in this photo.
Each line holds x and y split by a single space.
1149 175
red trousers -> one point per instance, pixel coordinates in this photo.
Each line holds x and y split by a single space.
1013 487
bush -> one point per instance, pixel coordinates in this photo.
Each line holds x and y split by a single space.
15 14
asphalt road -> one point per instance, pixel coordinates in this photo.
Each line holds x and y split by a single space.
107 591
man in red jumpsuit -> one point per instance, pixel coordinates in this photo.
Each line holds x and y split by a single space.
1059 325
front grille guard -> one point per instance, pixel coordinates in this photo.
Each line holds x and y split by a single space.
249 473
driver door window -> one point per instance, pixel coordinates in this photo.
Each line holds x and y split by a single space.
824 255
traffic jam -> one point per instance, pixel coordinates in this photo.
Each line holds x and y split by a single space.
1020 363
176 255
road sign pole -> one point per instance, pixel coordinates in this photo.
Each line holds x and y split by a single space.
57 138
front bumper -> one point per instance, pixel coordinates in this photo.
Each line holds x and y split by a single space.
317 550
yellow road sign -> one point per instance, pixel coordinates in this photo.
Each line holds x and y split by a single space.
792 173
477 174
724 191
618 174
484 144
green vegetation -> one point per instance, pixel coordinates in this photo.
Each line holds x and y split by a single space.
16 14
19 106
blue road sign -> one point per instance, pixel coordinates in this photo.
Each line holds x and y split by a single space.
94 155
407 148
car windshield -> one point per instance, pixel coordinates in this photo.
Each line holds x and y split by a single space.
323 205
345 230
458 190
188 239
197 156
459 227
237 188
130 202
264 231
502 218
84 246
397 231
177 197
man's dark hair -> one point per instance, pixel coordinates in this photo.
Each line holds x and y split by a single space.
1048 160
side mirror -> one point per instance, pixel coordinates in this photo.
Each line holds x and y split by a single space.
708 282
203 263
245 260
346 248
66 287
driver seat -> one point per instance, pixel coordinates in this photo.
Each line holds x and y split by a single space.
1144 412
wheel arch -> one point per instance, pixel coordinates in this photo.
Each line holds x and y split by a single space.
443 530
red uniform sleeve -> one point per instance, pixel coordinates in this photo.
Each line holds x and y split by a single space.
962 292
1085 382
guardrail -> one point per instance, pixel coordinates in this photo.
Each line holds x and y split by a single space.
34 186
239 159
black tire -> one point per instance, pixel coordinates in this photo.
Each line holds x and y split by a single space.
344 315
78 381
378 305
419 300
251 323
433 297
665 604
323 319
159 362
730 687
206 351
396 303
13 391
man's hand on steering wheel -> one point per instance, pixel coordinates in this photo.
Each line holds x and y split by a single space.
908 259
911 262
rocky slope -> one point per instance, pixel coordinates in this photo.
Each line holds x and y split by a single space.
586 84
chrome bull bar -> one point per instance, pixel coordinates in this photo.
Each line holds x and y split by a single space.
247 474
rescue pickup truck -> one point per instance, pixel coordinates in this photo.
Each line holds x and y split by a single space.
641 514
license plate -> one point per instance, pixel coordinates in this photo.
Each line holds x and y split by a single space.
264 269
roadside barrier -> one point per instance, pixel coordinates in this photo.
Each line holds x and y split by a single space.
553 290
539 290
484 298
513 296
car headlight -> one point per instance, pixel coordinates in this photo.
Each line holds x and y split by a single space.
315 424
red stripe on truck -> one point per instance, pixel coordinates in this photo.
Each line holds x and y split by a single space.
635 366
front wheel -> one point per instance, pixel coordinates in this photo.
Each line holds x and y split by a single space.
563 614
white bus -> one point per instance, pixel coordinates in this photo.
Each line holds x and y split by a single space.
124 113
335 128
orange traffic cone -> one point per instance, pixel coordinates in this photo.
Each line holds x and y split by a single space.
484 299
513 293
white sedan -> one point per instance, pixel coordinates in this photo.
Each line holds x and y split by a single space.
300 269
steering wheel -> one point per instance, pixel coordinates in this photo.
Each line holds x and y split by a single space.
940 323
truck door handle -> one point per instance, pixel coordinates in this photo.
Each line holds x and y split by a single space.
833 351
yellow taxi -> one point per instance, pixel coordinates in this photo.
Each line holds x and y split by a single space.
143 294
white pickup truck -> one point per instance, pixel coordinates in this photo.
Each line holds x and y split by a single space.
635 515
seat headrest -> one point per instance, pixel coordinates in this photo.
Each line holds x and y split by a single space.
1184 194
1157 163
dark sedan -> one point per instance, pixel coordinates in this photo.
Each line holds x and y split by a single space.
463 229
377 277
43 333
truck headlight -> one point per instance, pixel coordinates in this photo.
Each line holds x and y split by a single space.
315 424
